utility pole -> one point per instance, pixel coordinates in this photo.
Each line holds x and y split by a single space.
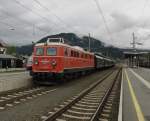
134 43
135 58
89 42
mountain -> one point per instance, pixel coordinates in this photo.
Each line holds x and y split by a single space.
74 40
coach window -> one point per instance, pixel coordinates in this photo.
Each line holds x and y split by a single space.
39 51
77 54
81 55
71 53
74 53
85 55
51 51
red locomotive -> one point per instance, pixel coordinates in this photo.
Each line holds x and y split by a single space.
57 59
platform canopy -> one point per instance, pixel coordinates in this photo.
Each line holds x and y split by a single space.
5 56
132 57
134 53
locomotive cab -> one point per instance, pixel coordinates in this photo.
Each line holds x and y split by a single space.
48 57
57 59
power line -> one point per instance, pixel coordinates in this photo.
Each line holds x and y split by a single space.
6 24
28 23
143 9
12 28
142 14
60 20
104 20
9 25
29 9
134 43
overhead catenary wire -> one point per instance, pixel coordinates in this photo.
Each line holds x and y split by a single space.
12 28
21 20
39 15
143 10
15 28
17 18
30 10
142 14
56 16
6 24
104 20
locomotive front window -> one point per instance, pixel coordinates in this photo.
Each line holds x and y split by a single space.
51 51
39 51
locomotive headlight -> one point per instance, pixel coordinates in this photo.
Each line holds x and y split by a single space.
53 63
36 62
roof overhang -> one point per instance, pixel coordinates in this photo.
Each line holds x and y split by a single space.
135 53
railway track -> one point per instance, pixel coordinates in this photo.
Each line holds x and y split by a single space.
14 98
95 103
11 99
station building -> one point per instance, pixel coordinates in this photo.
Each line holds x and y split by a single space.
133 58
6 60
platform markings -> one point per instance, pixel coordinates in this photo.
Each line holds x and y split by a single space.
121 99
139 113
146 83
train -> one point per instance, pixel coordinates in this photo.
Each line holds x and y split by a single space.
29 63
54 60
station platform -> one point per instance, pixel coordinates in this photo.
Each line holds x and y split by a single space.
135 94
14 80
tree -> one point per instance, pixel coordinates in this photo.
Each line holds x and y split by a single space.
11 50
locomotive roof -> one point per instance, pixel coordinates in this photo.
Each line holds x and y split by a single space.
63 44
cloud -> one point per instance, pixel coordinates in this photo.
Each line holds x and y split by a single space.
122 22
78 16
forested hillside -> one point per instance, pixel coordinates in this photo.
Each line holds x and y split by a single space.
73 39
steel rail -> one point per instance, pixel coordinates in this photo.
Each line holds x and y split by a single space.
95 117
79 97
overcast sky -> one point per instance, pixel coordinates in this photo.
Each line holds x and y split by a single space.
24 21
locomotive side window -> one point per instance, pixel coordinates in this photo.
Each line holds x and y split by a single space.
51 51
72 53
39 51
66 52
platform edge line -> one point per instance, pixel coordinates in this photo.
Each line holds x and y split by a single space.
121 100
139 113
145 82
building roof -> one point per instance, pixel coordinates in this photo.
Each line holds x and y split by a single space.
2 43
5 56
134 53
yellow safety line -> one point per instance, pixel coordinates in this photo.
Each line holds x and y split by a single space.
134 99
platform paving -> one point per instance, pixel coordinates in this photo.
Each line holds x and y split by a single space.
14 80
136 94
